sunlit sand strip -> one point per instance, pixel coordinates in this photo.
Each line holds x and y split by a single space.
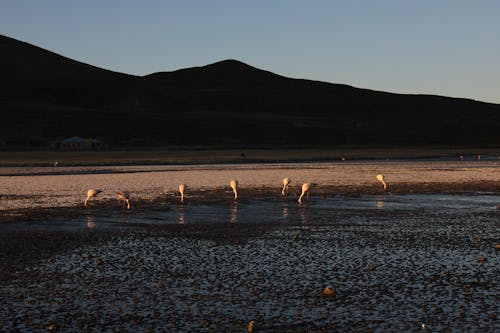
148 182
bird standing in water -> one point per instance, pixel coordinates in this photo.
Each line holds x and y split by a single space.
306 187
124 196
380 178
182 188
234 185
284 191
90 194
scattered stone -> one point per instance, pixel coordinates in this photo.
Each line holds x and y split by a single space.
329 292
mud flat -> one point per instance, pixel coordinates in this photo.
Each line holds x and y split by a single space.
424 254
391 271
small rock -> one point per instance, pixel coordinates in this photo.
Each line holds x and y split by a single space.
250 326
329 291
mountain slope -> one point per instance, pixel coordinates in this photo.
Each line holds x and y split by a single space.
46 97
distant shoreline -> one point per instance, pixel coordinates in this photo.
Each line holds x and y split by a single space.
237 156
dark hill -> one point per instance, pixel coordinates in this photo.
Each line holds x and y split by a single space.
46 97
30 73
223 73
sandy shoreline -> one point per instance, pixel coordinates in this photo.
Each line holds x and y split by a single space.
28 188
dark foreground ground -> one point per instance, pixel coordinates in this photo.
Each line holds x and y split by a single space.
391 270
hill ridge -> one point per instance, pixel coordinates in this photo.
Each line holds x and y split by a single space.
45 97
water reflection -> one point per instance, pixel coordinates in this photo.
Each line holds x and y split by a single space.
90 221
303 216
285 212
181 215
234 212
126 218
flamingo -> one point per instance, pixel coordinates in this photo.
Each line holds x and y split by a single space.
182 188
234 185
306 187
124 196
380 178
90 194
286 182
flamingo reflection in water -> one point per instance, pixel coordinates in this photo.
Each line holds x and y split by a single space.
181 215
90 222
380 204
285 212
234 212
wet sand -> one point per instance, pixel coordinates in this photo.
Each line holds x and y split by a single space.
28 188
392 270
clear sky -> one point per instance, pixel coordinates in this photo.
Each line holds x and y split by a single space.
443 47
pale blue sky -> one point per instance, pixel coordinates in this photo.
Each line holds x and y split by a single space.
443 47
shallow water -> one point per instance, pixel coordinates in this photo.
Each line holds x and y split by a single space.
273 210
442 202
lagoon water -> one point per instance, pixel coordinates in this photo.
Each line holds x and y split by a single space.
276 210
